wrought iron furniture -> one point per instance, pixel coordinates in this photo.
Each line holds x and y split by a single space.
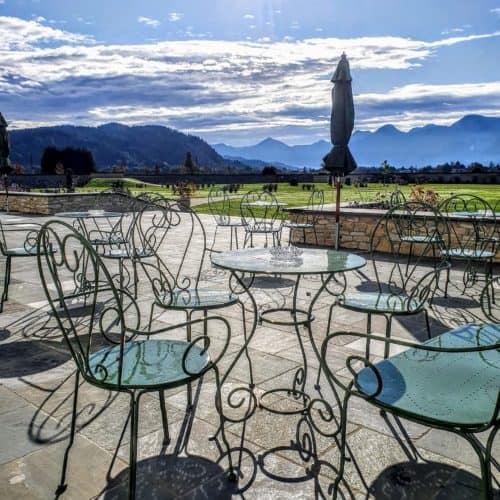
451 382
219 204
314 205
329 264
420 225
176 266
261 214
408 286
477 245
397 198
111 348
17 240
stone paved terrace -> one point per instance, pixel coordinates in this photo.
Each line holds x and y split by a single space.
392 458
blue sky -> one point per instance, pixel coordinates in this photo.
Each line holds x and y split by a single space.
237 71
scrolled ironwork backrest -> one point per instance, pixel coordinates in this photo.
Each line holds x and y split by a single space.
408 280
490 300
316 202
397 198
219 204
181 254
107 316
256 216
481 230
29 235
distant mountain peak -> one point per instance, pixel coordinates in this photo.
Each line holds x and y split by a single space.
472 138
388 129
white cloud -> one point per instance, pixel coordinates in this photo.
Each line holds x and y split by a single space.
215 88
175 16
496 11
19 34
148 21
248 16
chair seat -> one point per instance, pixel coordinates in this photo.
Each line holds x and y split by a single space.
267 227
230 223
438 387
124 253
148 364
379 302
108 241
421 239
21 252
197 298
467 253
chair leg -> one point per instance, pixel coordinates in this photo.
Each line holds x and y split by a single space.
62 484
151 316
134 420
188 338
250 369
328 325
410 251
5 294
164 419
388 328
427 324
368 332
342 446
446 283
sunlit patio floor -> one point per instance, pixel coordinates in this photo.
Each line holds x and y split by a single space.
282 456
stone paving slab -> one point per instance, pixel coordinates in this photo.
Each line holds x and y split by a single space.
36 388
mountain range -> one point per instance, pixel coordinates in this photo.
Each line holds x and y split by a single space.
114 143
472 138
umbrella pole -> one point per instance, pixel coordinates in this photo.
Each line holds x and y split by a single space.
337 212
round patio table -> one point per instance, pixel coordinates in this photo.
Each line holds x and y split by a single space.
323 262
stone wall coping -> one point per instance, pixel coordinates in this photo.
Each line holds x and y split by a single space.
49 195
370 212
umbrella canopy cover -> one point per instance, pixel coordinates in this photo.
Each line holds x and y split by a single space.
339 160
4 144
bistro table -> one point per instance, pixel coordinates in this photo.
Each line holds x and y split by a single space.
326 263
87 223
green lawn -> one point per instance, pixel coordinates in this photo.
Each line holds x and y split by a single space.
295 196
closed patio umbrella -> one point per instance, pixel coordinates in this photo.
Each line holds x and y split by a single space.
339 161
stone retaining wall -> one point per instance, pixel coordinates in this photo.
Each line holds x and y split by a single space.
49 204
356 227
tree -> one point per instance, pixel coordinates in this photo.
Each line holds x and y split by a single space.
269 170
80 161
189 166
385 169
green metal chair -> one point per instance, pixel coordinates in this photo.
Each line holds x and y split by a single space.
175 271
261 214
404 288
477 246
219 204
10 249
451 382
314 205
111 349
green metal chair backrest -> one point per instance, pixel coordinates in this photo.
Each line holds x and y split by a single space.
397 198
259 209
392 233
72 273
176 236
479 236
219 204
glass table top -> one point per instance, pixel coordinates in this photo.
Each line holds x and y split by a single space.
313 261
90 214
261 203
